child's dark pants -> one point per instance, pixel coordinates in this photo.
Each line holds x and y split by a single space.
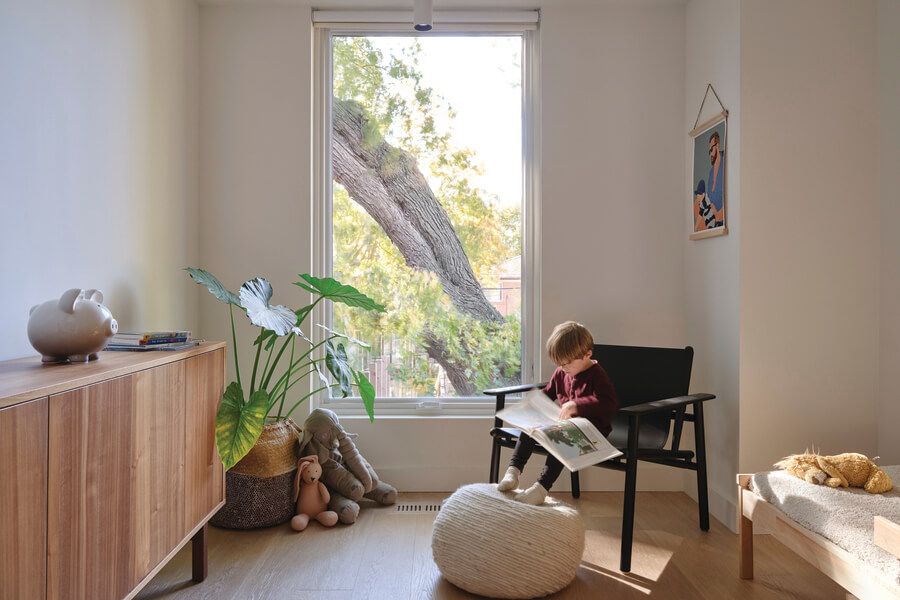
524 448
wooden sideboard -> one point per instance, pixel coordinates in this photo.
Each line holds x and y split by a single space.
107 469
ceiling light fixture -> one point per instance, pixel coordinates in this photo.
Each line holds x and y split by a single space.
422 14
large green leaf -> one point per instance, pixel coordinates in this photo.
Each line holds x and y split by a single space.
214 286
336 292
336 361
238 425
367 393
272 337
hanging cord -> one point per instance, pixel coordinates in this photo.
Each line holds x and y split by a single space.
699 112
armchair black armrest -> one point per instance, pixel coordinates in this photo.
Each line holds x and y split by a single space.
513 389
667 404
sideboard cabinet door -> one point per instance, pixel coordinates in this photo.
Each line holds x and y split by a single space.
91 491
158 455
205 478
133 470
23 500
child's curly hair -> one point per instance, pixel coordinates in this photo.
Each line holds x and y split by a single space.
569 341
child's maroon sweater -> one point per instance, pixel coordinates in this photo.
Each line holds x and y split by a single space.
592 392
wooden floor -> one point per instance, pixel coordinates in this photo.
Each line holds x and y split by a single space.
386 555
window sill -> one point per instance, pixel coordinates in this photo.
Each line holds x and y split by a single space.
413 412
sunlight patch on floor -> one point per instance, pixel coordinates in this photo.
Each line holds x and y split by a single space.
656 552
636 582
650 555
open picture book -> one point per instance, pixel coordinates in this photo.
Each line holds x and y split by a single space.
575 442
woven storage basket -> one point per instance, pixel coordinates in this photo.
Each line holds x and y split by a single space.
259 488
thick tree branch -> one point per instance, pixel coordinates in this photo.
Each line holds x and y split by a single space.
387 183
456 373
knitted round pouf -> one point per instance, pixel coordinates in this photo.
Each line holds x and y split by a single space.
488 544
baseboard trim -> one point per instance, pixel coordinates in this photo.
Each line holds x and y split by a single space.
651 478
721 507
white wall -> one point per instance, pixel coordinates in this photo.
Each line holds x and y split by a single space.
809 259
711 265
98 153
783 311
612 156
255 141
889 270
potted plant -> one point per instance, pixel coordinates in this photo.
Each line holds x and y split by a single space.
257 444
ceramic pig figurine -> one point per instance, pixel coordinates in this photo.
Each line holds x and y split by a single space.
74 328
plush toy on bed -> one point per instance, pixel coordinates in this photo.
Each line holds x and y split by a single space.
842 470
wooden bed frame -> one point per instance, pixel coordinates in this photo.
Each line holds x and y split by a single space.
838 564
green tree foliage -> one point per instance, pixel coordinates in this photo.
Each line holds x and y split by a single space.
409 115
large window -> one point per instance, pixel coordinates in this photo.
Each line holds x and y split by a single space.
426 204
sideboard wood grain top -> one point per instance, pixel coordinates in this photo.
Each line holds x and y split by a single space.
25 379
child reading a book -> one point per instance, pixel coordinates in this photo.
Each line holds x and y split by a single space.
582 389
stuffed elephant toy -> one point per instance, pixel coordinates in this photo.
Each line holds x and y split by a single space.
346 473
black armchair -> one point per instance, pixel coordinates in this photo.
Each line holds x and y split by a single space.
652 386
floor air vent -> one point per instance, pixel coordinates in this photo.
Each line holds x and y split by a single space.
418 508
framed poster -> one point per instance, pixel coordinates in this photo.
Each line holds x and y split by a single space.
708 178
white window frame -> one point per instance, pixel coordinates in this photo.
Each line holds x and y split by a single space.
398 23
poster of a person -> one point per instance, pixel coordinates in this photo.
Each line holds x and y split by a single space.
708 179
705 215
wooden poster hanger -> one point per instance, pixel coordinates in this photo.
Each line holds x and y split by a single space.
707 123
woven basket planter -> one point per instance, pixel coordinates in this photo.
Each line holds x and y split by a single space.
259 488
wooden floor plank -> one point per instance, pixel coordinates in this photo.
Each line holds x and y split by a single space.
296 562
386 567
386 555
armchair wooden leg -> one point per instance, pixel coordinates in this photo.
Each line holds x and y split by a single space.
576 486
700 443
495 462
630 487
199 553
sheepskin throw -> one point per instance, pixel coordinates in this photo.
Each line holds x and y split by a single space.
488 544
844 516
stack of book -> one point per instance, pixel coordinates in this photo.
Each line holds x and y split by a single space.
152 340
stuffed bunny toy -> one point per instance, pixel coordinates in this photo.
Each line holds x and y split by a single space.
311 495
345 472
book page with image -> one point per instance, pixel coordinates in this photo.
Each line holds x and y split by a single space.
575 442
533 411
